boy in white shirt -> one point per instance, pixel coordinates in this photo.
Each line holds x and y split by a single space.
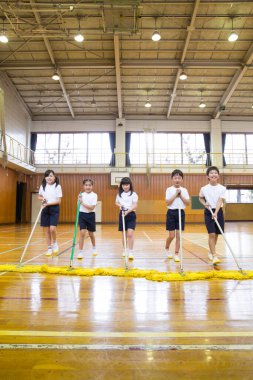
212 196
176 198
87 216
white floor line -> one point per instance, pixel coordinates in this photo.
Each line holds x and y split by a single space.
33 243
42 254
129 347
201 245
147 236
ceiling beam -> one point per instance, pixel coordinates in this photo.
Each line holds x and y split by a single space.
126 64
118 75
51 55
248 58
190 29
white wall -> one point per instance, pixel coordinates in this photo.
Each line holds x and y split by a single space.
73 126
139 125
237 126
17 119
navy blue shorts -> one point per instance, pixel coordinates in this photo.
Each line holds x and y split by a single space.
50 216
172 220
130 221
87 221
211 226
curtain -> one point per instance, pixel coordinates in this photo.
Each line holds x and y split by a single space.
33 141
112 137
223 142
127 148
207 142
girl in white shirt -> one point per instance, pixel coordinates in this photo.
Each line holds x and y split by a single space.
50 193
87 217
127 201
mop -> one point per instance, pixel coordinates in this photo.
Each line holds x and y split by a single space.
226 241
124 238
31 234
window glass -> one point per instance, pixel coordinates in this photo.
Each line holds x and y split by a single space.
193 148
234 151
239 196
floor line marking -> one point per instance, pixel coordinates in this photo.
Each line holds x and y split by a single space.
36 257
147 236
33 243
129 347
146 334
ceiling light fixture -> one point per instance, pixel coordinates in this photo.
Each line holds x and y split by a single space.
202 104
93 102
148 103
55 76
183 75
156 35
3 37
233 35
79 37
39 103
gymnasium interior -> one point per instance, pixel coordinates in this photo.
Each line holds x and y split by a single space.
107 89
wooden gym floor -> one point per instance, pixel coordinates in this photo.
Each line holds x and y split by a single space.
65 327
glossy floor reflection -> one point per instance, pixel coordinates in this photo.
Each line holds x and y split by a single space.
203 328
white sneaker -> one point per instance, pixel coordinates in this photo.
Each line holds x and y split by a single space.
55 248
216 260
130 255
176 258
169 254
49 252
80 255
210 256
94 252
124 253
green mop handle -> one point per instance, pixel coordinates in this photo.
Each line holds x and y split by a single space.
75 231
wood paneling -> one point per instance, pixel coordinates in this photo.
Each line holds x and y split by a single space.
149 188
8 188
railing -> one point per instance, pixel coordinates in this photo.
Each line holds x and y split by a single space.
17 151
148 160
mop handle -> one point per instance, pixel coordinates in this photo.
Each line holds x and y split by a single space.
180 240
31 234
124 236
224 237
75 232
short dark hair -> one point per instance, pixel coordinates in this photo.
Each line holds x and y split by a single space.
212 168
177 172
88 180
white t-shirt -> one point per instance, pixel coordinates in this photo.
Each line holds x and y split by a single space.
126 200
89 199
212 193
51 192
177 203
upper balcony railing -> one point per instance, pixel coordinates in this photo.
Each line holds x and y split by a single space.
96 158
16 151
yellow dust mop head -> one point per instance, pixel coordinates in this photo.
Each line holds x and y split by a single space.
152 275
